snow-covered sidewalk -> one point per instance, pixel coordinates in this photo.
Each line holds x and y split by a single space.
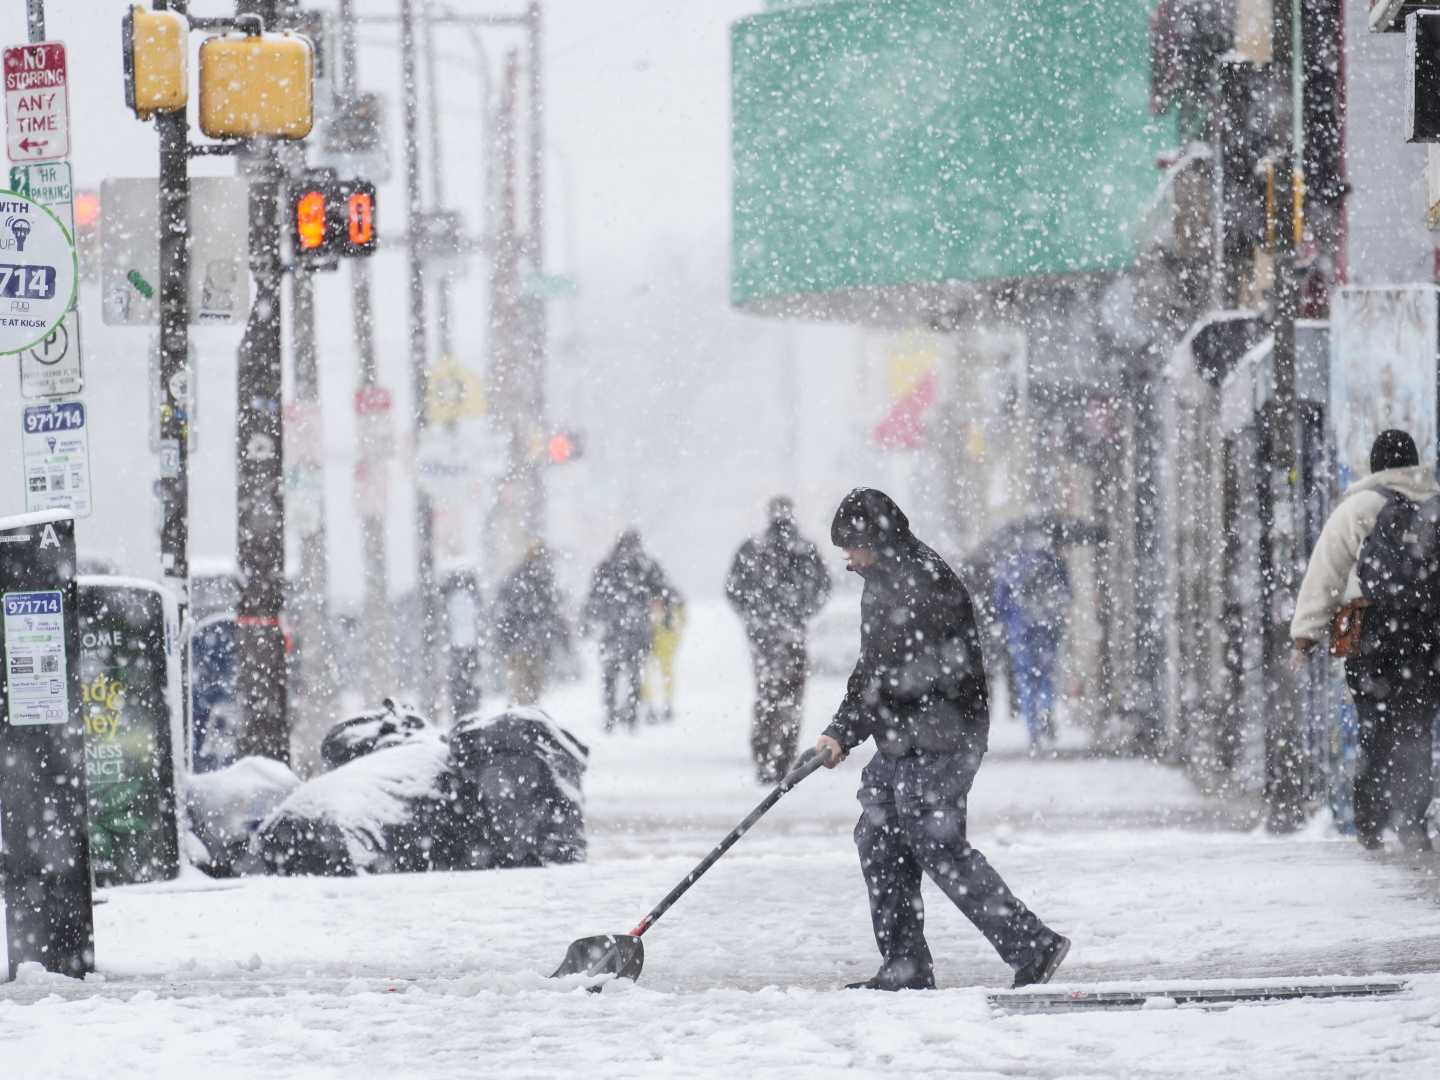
444 975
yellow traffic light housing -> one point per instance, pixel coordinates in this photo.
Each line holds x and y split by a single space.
156 59
260 84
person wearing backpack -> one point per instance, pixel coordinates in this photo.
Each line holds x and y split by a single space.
1371 588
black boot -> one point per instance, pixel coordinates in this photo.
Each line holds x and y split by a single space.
900 976
1041 967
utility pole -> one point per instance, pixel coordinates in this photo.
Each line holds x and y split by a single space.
260 540
1284 747
173 127
437 176
533 298
425 586
371 490
314 649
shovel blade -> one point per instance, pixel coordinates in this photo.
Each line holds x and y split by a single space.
620 955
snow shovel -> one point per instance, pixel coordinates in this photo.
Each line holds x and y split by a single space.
623 955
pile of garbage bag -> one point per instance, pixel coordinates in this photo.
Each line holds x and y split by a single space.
400 794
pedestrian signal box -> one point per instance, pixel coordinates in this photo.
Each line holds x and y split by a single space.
260 84
330 219
359 218
156 60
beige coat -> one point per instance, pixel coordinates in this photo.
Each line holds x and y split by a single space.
1330 579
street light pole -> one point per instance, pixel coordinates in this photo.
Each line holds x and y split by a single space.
260 527
371 489
1284 751
425 590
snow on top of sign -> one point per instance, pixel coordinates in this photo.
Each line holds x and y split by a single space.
35 517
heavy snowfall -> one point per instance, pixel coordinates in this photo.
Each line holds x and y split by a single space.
769 537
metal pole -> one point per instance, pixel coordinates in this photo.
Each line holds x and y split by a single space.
437 174
429 687
315 692
533 298
174 286
260 540
35 16
1284 752
371 491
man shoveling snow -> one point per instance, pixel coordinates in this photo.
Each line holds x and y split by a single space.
919 690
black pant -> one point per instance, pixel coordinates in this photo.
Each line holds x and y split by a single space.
620 670
913 822
1397 705
780 670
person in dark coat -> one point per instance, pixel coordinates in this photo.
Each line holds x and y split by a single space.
777 584
530 627
919 691
624 589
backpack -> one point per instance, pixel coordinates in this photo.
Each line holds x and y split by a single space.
1399 563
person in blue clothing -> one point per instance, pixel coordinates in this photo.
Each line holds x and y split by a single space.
1032 600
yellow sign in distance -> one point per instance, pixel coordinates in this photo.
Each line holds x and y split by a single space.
455 393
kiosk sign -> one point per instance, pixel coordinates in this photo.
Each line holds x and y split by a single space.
35 658
56 451
37 272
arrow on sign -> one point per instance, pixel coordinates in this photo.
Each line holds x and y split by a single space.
28 144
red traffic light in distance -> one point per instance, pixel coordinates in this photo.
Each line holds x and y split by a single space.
563 446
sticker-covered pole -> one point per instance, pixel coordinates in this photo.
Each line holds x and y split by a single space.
174 216
44 841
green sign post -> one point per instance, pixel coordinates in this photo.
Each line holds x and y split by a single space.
131 699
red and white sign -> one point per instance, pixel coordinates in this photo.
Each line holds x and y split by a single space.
37 102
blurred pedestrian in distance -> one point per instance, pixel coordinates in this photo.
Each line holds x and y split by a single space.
667 623
1391 649
1032 601
626 586
919 691
530 626
777 584
464 622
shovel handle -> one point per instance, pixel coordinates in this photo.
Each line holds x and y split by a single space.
807 763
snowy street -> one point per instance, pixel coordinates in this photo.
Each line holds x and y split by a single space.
445 975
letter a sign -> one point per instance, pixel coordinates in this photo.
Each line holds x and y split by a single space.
37 102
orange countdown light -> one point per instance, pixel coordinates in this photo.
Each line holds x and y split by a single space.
360 212
310 220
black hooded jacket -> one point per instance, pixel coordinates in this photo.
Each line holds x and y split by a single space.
920 681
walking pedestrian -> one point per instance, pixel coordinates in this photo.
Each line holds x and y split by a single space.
530 625
777 584
919 691
1391 666
1032 600
623 589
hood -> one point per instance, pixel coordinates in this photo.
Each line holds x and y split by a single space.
1415 482
868 518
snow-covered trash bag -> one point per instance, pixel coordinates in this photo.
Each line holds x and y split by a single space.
518 800
225 807
364 733
376 813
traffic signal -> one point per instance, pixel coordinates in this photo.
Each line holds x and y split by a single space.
156 53
331 219
260 84
313 237
355 205
87 230
563 447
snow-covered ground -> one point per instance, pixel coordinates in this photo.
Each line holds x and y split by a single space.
445 975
